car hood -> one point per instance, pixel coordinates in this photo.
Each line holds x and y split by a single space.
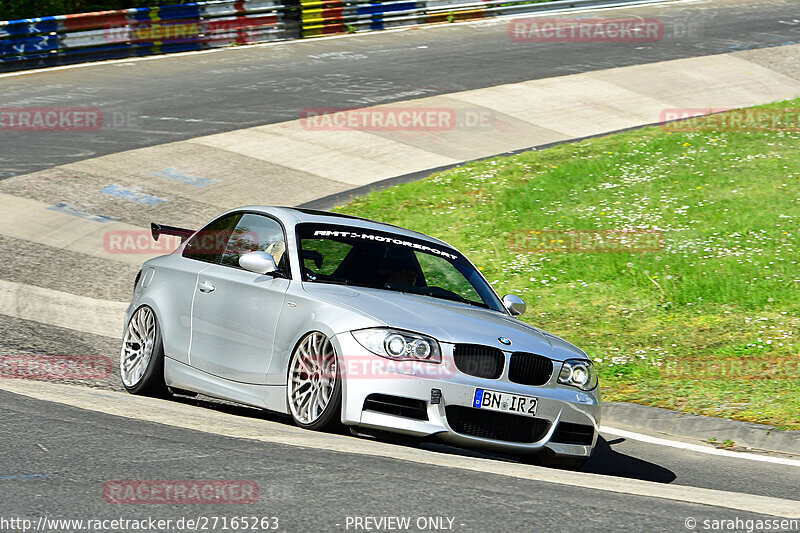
449 322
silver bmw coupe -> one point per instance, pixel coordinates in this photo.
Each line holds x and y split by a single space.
338 320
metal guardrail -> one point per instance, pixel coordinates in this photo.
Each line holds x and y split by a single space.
64 39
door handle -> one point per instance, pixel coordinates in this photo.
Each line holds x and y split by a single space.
206 287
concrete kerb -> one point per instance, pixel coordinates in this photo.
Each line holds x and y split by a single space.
337 199
702 428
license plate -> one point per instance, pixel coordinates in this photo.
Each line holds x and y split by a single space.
504 402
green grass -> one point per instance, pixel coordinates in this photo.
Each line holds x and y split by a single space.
705 322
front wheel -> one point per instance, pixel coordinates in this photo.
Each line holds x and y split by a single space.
314 387
141 363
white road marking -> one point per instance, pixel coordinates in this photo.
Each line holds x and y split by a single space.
178 414
698 448
484 22
179 119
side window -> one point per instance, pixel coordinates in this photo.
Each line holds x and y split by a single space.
208 243
256 233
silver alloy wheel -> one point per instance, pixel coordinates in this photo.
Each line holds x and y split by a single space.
312 378
137 346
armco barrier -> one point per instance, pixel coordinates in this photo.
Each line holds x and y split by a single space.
82 37
64 39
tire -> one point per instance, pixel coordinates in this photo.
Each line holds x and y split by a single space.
314 385
141 364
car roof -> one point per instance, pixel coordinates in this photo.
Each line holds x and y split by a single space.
300 215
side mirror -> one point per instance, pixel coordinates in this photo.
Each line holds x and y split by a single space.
258 262
515 305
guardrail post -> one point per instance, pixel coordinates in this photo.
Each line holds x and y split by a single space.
291 20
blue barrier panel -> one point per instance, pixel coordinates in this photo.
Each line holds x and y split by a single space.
28 45
377 9
24 27
153 14
185 11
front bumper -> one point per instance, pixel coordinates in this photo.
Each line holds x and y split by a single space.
366 374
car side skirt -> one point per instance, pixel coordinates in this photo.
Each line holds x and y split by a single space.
181 376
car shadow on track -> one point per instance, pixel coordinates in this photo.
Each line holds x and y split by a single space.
608 462
231 408
605 460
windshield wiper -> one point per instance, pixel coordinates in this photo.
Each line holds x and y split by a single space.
433 292
443 294
346 282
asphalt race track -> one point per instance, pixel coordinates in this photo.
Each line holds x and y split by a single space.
186 96
68 455
61 448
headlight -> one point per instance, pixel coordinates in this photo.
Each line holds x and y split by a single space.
399 345
578 373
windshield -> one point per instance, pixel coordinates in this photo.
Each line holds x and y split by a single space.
366 258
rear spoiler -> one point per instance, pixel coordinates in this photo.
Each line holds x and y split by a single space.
157 230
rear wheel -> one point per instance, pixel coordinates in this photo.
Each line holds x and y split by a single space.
314 387
141 363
